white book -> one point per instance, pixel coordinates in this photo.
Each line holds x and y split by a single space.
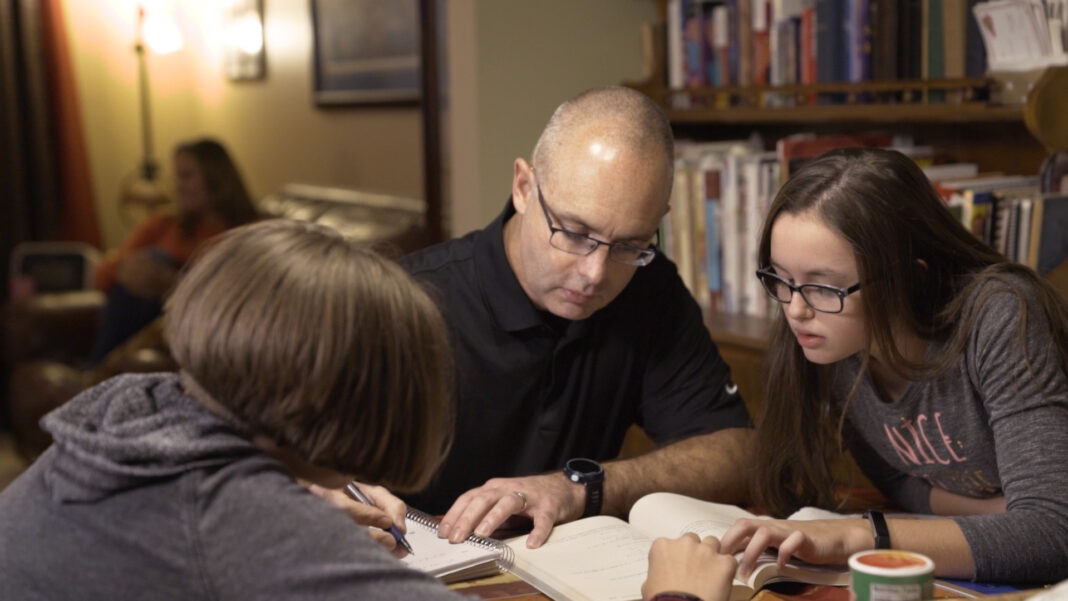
604 558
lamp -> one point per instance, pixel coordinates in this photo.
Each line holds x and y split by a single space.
243 40
142 188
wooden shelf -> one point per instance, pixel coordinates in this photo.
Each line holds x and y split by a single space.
852 113
869 102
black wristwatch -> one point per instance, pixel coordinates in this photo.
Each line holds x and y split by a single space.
590 474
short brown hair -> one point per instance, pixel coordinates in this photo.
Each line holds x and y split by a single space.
321 345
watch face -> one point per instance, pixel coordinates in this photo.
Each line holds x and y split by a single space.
584 467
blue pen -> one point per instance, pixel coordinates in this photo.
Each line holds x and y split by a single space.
355 492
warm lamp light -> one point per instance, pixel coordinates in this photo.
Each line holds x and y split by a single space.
246 34
160 34
142 189
243 38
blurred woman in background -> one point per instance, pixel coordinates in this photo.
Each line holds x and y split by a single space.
212 198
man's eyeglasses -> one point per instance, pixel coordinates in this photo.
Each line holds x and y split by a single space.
580 244
821 297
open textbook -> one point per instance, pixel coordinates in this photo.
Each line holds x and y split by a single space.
474 558
603 558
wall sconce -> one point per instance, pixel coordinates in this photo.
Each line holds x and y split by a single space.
244 56
142 189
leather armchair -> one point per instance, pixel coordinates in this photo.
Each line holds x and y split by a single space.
47 339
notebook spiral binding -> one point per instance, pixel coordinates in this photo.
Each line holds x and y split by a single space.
505 558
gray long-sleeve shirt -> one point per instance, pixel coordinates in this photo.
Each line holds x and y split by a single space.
147 495
995 424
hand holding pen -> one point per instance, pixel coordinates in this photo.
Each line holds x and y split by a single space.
354 491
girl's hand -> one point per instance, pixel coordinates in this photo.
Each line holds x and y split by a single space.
387 511
814 541
689 565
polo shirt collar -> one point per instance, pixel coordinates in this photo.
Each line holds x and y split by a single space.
508 302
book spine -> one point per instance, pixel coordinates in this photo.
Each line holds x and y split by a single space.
974 49
693 44
829 15
761 41
713 245
731 242
697 232
884 15
954 25
809 58
936 65
859 41
682 243
744 22
721 44
675 54
910 19
730 39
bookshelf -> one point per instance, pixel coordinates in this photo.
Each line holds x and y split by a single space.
960 116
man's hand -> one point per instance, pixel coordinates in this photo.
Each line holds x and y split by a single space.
689 565
547 499
388 510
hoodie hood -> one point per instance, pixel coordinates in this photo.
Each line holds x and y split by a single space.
133 429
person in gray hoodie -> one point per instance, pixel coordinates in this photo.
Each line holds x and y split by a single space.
302 356
305 361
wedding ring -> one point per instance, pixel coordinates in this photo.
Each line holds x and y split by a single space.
522 498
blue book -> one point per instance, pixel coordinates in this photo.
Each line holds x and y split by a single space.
713 245
967 589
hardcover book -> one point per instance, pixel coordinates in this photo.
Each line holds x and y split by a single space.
603 558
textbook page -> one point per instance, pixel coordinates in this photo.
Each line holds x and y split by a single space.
672 515
603 558
599 558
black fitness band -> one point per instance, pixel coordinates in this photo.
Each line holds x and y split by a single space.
879 529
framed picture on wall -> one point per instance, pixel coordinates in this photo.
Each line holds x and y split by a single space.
366 51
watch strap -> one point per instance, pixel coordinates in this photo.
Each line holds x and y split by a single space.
594 498
673 596
879 529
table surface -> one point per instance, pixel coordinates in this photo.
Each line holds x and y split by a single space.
510 587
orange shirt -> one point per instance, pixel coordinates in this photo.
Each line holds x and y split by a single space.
157 231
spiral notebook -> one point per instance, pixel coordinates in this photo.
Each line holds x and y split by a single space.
474 558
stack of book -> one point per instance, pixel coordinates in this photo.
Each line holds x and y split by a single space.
1012 215
728 43
722 191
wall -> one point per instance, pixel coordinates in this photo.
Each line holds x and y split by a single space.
272 127
511 63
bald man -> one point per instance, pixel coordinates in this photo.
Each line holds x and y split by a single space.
568 326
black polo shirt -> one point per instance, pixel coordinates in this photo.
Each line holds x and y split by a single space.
534 390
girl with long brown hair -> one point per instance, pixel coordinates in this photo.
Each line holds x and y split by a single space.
937 363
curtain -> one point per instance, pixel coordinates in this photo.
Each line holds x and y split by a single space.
45 190
78 219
